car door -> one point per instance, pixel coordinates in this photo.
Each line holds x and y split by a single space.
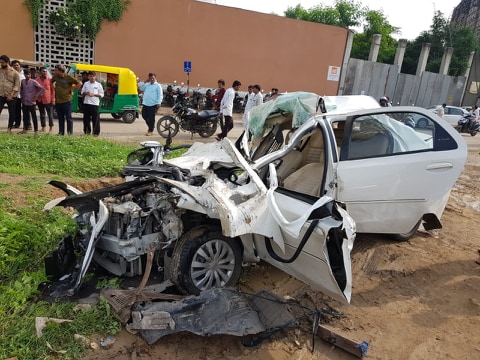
303 232
391 174
452 115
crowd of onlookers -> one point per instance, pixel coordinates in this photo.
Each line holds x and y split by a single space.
24 89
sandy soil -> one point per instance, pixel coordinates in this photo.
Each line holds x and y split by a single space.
413 300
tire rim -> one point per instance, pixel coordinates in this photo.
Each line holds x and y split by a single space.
212 265
167 126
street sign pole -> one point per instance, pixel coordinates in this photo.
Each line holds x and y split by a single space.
187 67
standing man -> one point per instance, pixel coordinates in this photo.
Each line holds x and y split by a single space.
248 105
257 96
219 94
255 100
151 101
80 97
30 90
226 109
64 85
9 88
92 91
441 110
46 101
18 104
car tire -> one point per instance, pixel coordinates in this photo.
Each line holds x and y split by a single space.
406 236
203 258
422 123
116 116
129 116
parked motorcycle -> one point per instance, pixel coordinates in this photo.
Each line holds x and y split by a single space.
203 122
169 98
237 103
198 99
181 95
468 124
209 100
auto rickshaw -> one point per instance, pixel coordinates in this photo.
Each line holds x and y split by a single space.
120 87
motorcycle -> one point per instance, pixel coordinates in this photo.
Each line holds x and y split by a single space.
468 124
181 95
169 99
197 99
237 103
209 100
203 122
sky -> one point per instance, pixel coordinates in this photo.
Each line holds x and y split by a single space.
412 16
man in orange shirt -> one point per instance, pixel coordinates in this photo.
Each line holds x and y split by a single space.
46 101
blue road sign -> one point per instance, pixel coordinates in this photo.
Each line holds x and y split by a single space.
187 66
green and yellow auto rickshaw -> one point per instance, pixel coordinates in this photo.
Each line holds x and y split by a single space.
120 87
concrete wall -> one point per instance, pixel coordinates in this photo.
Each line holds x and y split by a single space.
17 39
221 42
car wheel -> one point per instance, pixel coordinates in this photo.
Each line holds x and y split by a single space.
422 123
406 236
128 116
116 116
208 129
167 126
204 259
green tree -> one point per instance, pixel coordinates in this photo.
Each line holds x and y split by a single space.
351 14
344 13
375 23
441 35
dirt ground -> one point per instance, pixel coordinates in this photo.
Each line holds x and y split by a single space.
413 300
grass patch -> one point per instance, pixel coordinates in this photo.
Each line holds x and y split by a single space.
28 234
81 157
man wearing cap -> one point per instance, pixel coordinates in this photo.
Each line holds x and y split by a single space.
9 88
64 85
383 101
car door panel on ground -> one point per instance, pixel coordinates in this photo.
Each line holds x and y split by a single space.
388 171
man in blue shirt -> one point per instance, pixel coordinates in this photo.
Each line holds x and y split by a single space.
151 101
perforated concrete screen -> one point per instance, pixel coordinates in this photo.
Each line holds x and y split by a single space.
54 49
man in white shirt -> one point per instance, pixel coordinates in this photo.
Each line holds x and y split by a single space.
92 91
257 96
441 110
248 105
226 109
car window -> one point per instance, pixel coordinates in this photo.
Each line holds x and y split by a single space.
377 135
454 111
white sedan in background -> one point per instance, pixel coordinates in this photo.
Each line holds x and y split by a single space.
452 113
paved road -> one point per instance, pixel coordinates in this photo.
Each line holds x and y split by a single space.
131 133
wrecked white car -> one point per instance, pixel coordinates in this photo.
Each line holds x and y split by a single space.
289 191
